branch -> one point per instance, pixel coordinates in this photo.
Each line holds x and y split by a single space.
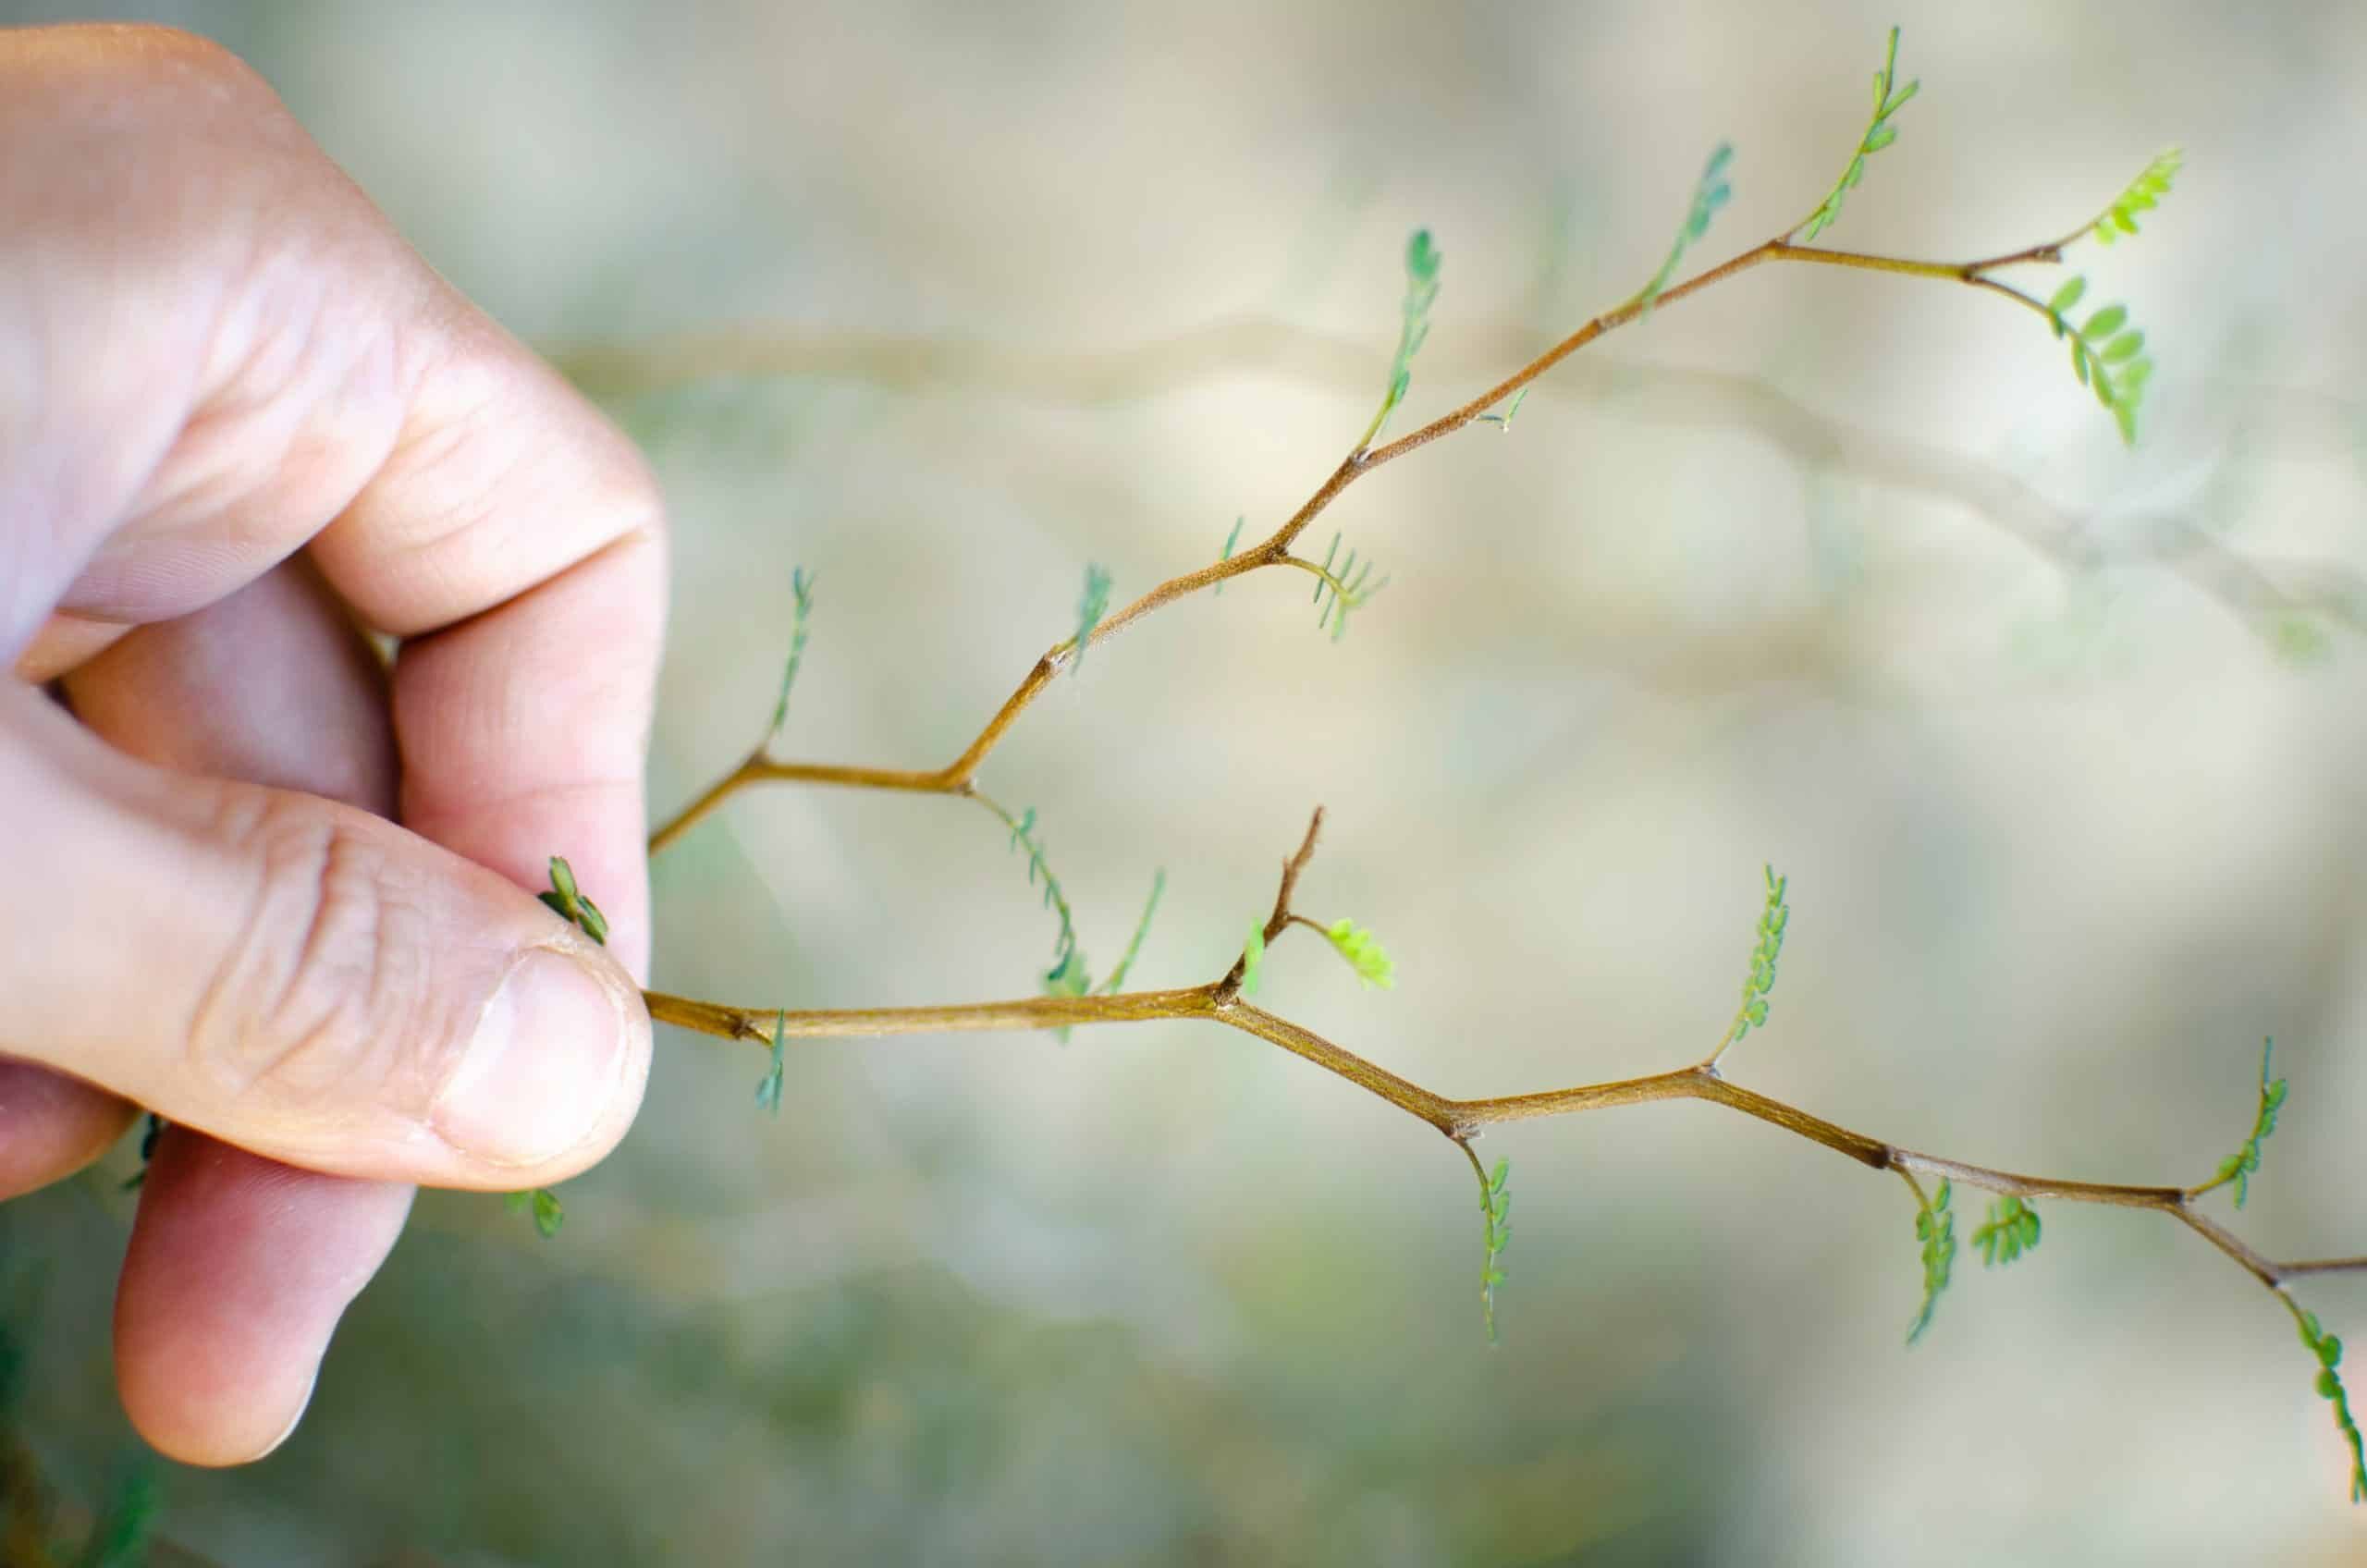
1460 1121
959 777
2107 357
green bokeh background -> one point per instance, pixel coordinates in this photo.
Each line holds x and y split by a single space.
1844 573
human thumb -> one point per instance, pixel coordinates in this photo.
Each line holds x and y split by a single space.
298 977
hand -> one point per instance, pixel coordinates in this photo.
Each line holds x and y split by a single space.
268 886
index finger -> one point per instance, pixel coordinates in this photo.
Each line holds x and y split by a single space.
224 352
515 542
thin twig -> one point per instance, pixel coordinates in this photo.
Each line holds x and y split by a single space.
957 777
1460 1121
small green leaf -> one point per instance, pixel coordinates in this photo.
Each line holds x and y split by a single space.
1879 133
1496 1234
548 1215
1511 411
1935 1228
801 588
1710 192
1774 918
1253 957
1422 262
2238 1168
2011 1230
1142 929
1068 967
2105 323
565 899
2067 296
1364 953
769 1086
1230 540
1090 607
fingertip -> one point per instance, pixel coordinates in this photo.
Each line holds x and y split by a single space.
237 1272
553 1074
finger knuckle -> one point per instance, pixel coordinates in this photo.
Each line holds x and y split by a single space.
322 990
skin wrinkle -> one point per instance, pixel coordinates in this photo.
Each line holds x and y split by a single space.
254 354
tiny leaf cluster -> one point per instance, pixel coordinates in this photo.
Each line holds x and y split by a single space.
2107 355
548 1214
1414 326
1936 1229
768 1088
1231 540
1091 605
2143 194
565 899
2010 1230
569 903
2327 1348
1349 587
1363 950
1773 917
1495 1208
2238 1168
1142 929
1880 133
1067 975
1710 192
801 588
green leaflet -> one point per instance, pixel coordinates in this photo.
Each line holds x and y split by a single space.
1230 540
1067 974
1253 958
1364 953
1710 192
564 899
2239 1167
1511 411
801 589
1879 134
1495 1208
1936 1229
2327 1348
2106 356
548 1213
1414 326
769 1086
1090 607
2143 194
1774 915
1142 929
2011 1230
1347 588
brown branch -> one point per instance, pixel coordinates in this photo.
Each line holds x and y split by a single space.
1279 921
1461 1120
957 777
2258 589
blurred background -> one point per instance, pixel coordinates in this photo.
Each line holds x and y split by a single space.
2060 743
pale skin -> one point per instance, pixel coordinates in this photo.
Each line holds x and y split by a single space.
256 878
